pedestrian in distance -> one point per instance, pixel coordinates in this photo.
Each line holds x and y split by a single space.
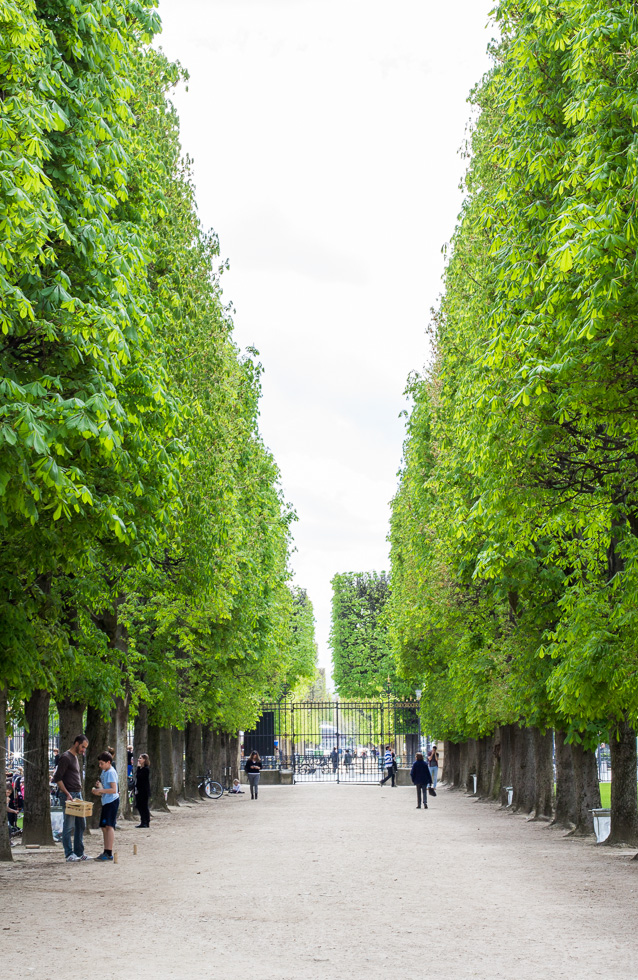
389 764
68 779
433 763
252 770
107 788
421 777
142 790
334 757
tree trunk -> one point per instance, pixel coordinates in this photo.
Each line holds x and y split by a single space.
121 763
523 799
507 761
213 754
5 845
495 768
140 732
471 764
177 738
565 815
194 760
624 804
168 777
71 715
586 790
97 733
465 763
36 827
484 754
157 782
543 787
446 774
233 757
454 764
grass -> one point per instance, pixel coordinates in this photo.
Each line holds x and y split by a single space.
605 795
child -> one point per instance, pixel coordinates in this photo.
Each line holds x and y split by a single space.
110 803
236 787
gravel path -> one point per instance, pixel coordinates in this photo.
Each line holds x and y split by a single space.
327 882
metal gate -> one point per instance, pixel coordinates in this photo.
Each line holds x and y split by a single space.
335 741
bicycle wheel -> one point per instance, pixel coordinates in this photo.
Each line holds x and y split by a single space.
212 789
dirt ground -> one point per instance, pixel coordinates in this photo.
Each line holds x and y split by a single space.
327 882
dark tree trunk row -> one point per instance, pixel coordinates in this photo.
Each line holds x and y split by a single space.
157 781
194 760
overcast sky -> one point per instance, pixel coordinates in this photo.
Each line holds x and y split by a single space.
325 136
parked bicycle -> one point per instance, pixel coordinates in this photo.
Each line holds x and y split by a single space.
209 788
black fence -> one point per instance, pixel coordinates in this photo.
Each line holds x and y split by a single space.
335 741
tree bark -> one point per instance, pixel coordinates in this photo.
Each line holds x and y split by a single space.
455 765
565 813
177 738
157 782
507 761
233 756
97 733
71 715
624 804
36 828
543 786
121 765
213 751
586 790
168 778
194 760
5 844
495 771
523 782
140 733
447 768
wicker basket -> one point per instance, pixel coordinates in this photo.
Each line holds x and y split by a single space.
78 808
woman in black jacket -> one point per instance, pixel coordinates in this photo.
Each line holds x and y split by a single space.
422 778
253 769
142 789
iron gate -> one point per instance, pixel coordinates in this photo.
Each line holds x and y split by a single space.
335 741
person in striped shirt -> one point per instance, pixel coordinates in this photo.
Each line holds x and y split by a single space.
388 762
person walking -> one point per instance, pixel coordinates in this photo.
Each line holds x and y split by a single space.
421 777
388 762
334 756
108 790
253 769
142 790
433 763
68 779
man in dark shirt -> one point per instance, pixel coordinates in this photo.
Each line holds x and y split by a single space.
68 777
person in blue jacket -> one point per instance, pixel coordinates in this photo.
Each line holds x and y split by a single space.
422 778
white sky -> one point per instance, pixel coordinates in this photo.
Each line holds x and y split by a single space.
325 135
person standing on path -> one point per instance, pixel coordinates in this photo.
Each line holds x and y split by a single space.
334 756
421 777
142 785
388 762
108 790
433 763
68 778
253 769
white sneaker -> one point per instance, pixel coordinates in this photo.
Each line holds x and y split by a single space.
85 857
73 857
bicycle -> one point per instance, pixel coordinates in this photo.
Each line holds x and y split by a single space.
209 788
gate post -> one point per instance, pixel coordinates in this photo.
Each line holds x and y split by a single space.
338 744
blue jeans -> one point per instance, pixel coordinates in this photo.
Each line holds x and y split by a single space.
434 771
70 825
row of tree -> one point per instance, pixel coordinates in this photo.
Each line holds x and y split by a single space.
144 539
514 534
